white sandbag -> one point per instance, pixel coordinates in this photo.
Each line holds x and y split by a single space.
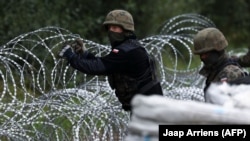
151 111
138 124
239 101
145 127
134 137
237 96
163 110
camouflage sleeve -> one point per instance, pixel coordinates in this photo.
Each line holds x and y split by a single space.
229 73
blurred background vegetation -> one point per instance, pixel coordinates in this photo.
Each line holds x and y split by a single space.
85 17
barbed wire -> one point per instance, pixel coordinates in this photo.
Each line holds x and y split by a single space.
43 98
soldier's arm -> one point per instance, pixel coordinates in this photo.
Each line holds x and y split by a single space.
231 72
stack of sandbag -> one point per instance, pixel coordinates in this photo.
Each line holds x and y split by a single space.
151 111
237 96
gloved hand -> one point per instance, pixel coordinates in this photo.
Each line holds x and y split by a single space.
78 46
248 53
66 52
236 58
244 60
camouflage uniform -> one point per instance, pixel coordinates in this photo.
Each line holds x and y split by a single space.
225 69
128 65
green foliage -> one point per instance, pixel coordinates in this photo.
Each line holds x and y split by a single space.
231 17
85 17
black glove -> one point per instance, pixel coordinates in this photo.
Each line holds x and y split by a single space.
66 52
235 58
78 46
244 60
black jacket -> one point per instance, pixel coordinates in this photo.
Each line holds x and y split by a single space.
128 59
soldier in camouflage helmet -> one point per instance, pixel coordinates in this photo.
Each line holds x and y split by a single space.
210 44
129 67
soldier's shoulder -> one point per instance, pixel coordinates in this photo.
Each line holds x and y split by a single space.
129 45
232 68
231 72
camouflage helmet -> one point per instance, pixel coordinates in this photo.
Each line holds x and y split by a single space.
209 39
121 18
